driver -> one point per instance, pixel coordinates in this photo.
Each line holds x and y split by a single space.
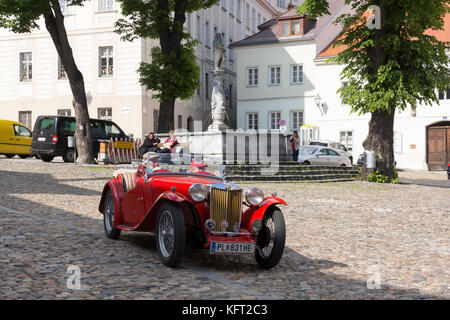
153 163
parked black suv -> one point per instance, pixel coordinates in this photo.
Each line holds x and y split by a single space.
51 134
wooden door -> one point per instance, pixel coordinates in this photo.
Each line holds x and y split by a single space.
438 147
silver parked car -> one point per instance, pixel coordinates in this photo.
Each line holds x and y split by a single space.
334 145
322 156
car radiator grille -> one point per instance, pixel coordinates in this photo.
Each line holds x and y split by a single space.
225 205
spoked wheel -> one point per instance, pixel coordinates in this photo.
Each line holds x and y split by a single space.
271 239
108 217
170 234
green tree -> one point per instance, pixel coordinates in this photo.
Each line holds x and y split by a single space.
173 72
390 67
21 16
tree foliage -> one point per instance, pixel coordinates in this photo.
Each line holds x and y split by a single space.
392 67
173 71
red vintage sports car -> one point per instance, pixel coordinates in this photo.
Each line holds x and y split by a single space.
193 203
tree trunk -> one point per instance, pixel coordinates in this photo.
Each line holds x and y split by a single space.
166 116
380 140
55 26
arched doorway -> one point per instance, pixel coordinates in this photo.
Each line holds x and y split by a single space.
438 145
190 124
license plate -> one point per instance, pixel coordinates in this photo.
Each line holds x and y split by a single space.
41 138
228 247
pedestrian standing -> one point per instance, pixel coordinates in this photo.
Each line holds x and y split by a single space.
295 144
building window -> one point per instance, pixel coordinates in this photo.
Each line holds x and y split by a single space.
281 3
65 6
64 112
259 19
230 51
274 120
231 7
274 75
238 10
180 122
297 120
290 28
207 84
105 5
253 20
155 120
25 118
344 84
346 138
444 95
296 74
105 113
252 121
207 37
188 22
223 4
199 34
252 77
62 75
106 61
190 124
247 16
26 66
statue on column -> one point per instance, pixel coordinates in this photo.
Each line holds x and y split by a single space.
218 101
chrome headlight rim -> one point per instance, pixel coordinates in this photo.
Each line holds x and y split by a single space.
254 196
198 192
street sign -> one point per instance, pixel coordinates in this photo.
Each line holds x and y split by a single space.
282 129
282 122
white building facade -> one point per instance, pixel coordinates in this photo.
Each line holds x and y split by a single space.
283 73
33 82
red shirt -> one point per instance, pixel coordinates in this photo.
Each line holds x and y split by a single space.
173 141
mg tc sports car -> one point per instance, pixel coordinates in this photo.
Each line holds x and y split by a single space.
193 203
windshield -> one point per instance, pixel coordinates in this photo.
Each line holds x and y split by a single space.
156 163
308 150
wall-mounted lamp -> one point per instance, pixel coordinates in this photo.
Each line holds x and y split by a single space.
319 103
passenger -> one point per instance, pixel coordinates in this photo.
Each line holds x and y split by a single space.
199 167
150 144
169 144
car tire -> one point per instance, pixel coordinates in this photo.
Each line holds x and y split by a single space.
37 156
268 257
9 156
108 217
343 165
23 156
69 156
306 163
170 234
47 158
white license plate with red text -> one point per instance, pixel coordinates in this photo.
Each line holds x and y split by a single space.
230 247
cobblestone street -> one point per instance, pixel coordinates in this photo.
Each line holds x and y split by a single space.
340 237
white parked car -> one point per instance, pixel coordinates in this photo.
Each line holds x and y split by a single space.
334 145
322 156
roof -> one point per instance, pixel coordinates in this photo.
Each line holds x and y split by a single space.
442 35
322 29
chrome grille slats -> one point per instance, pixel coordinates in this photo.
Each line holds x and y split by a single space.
225 204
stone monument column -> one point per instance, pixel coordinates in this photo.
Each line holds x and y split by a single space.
218 103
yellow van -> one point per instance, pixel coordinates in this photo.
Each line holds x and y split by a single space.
15 138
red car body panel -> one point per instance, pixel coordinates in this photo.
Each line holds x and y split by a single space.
257 212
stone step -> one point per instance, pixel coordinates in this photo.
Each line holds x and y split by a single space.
293 178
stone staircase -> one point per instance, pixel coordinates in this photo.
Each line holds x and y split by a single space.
288 172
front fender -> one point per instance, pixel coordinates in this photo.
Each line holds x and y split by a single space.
257 212
115 187
148 223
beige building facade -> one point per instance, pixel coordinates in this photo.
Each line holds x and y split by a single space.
33 82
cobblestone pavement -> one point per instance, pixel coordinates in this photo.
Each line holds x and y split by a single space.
340 237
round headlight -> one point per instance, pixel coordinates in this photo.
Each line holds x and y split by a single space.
254 196
198 192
